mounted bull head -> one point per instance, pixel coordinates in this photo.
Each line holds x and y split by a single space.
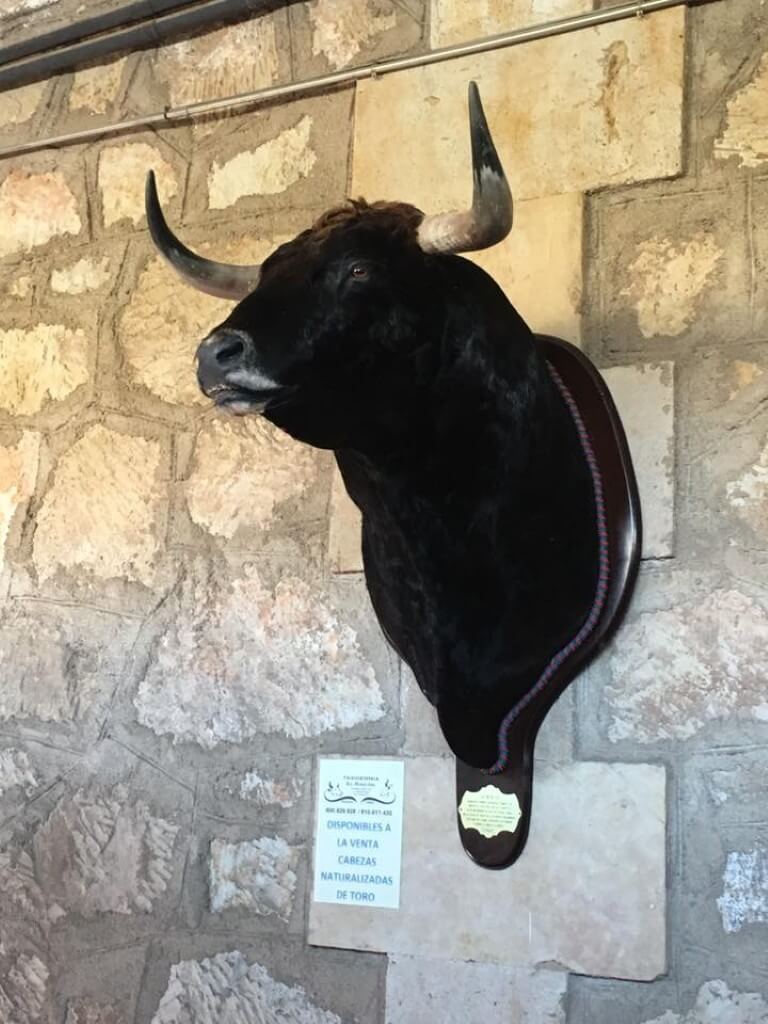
456 437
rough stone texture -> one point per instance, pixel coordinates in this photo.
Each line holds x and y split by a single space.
666 279
454 21
241 658
23 989
95 89
242 470
745 135
268 170
34 208
115 533
748 493
760 241
618 77
692 656
601 826
745 890
644 396
265 791
344 525
100 853
259 876
121 176
17 106
16 771
85 275
85 1012
717 1004
18 474
425 991
236 59
39 364
201 992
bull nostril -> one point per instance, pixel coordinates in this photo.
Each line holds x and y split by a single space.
233 350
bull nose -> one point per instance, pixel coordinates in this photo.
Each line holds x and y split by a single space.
225 350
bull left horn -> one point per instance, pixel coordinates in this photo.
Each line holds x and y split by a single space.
489 219
223 280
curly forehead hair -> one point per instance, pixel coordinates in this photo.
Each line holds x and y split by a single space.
398 220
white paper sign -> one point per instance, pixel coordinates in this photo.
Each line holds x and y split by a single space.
358 844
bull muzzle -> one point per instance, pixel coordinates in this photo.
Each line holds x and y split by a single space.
227 373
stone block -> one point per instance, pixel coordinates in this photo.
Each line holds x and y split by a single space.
239 656
242 472
104 512
268 792
676 270
84 275
292 155
18 475
454 21
610 116
96 88
745 889
35 208
423 991
759 229
717 1002
44 363
122 171
689 654
84 1011
235 59
104 852
744 134
644 397
597 843
344 526
18 106
258 875
328 36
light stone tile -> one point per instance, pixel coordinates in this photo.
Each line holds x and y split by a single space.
40 364
95 89
17 106
122 173
344 528
644 396
611 115
456 21
18 474
716 1003
745 889
258 875
423 991
34 208
588 892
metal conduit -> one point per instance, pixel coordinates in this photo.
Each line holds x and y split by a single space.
247 100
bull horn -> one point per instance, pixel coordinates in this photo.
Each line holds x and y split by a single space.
223 280
489 219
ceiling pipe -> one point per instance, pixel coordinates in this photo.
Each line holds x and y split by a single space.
91 44
244 101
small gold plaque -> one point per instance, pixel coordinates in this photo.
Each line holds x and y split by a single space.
490 811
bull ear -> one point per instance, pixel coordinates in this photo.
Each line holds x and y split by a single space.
489 219
223 280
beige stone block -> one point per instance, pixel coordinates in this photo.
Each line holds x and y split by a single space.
41 364
456 21
611 115
333 34
242 470
247 991
235 59
34 208
18 474
421 991
691 654
345 524
104 852
716 1003
745 133
257 875
644 397
95 89
588 893
121 176
85 275
85 1011
17 106
104 510
539 265
240 658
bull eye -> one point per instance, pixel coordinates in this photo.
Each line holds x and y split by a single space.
359 272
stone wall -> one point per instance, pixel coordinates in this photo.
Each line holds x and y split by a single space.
183 623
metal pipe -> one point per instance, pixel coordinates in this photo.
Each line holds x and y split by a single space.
155 31
242 101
